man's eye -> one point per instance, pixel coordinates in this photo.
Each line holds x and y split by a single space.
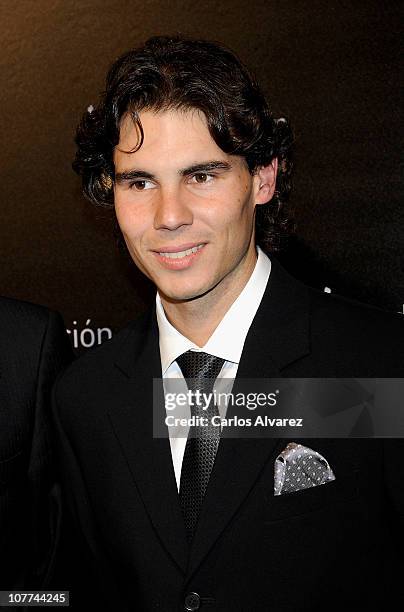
202 177
141 185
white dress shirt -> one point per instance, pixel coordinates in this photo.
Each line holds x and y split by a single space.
227 342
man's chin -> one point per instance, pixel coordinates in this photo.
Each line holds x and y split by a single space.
180 295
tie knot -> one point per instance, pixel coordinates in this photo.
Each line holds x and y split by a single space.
195 364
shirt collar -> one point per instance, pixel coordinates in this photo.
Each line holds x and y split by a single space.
228 339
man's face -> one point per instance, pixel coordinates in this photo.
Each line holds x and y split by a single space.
185 208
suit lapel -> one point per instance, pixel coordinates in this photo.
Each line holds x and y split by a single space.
278 336
149 459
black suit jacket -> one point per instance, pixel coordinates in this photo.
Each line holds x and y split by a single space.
329 547
34 348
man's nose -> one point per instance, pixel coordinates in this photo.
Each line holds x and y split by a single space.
172 211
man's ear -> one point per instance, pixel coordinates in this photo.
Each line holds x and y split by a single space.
265 182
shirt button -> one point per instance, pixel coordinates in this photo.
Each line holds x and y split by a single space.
192 602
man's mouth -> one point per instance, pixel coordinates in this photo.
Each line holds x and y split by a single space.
180 257
181 254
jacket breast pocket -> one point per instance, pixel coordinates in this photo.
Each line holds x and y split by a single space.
11 471
312 499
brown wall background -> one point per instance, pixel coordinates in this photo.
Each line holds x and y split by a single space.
331 66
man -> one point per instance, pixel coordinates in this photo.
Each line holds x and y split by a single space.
34 350
185 147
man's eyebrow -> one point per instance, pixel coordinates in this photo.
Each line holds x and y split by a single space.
206 167
131 175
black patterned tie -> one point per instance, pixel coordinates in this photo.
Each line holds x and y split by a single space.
203 441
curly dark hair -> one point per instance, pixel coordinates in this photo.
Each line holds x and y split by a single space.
175 73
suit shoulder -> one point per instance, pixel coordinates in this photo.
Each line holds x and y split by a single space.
354 315
17 312
24 325
365 338
35 346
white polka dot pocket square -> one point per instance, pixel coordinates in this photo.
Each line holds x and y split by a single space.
298 467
